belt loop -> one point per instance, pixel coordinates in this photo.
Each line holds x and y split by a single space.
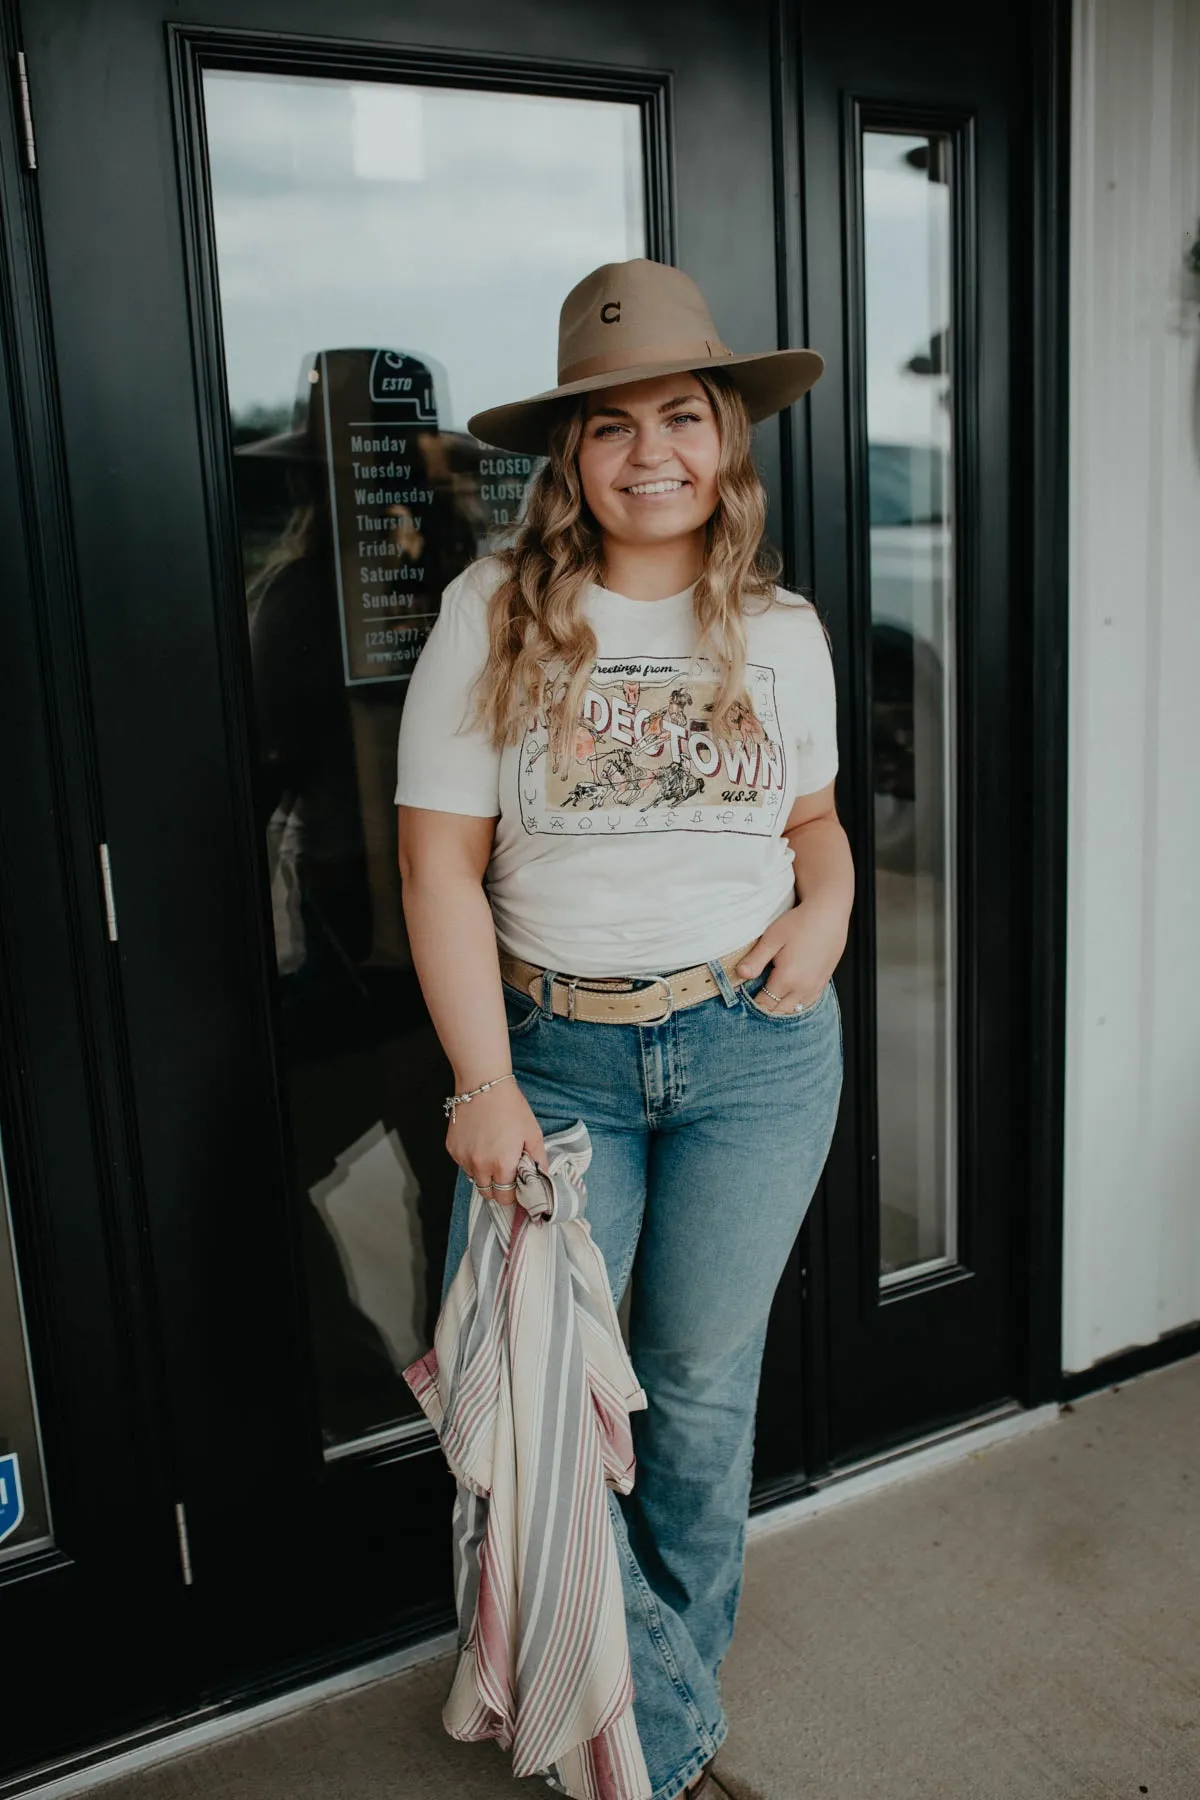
547 993
727 990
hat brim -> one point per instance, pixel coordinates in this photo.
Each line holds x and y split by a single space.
768 380
285 446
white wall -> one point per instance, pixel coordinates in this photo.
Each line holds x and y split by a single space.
1132 1168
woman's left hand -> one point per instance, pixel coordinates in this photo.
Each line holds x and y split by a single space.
803 948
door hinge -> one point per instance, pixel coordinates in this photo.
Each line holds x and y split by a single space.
185 1550
26 112
110 905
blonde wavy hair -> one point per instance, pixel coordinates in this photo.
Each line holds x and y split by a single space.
541 648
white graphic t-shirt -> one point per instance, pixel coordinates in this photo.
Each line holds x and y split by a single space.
647 845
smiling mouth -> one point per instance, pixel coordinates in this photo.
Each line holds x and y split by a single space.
654 487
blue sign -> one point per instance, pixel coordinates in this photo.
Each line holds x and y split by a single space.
12 1501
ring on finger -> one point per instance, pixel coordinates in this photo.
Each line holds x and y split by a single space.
770 996
501 1186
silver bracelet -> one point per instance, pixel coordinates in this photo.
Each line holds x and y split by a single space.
454 1100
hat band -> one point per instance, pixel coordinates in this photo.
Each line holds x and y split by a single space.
702 349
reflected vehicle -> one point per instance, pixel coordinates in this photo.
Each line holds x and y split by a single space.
911 574
912 600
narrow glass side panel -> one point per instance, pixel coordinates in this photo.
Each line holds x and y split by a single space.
907 221
24 1504
391 259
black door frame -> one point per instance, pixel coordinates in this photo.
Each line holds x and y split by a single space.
1039 399
192 48
65 1053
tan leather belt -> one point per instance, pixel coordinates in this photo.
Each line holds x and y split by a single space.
622 999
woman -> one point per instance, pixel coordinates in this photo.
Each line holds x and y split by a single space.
653 951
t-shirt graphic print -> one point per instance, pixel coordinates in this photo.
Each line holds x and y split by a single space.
642 755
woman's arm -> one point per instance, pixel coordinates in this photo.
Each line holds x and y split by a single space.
805 945
443 859
824 867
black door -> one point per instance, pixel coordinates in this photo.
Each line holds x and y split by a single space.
289 249
915 135
308 231
83 1535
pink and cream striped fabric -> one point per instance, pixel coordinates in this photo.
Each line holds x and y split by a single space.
529 1387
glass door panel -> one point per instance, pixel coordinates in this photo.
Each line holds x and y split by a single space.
391 258
907 262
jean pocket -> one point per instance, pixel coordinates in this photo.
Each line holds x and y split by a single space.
751 989
521 1012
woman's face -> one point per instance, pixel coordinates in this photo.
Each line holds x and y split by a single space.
648 459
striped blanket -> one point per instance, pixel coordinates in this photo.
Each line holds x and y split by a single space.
529 1387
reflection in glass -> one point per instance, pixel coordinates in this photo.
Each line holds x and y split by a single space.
391 259
907 273
24 1507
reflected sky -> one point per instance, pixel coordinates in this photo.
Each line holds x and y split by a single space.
906 218
446 222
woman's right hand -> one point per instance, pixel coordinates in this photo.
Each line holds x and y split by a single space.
488 1134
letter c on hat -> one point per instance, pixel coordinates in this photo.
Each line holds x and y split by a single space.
610 312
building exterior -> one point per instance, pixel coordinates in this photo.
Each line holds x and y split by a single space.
258 264
1131 1199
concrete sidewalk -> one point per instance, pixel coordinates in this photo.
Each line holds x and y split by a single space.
1024 1625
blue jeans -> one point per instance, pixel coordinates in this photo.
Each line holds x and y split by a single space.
709 1135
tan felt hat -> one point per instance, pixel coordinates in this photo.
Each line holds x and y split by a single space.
633 321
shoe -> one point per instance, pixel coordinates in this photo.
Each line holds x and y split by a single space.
703 1787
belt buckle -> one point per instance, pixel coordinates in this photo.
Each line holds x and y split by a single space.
660 980
573 981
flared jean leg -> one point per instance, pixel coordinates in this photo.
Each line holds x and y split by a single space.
732 1173
688 1512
